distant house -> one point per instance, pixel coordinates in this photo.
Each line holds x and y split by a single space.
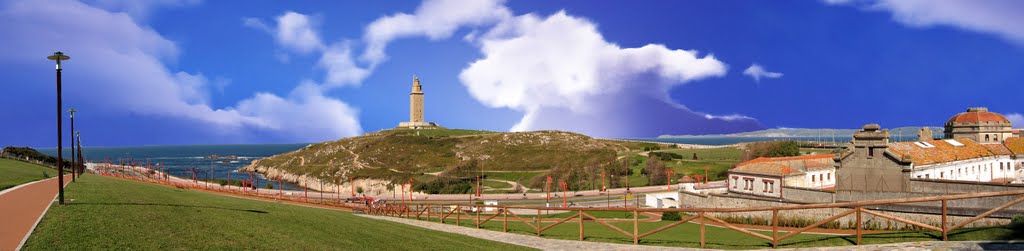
766 176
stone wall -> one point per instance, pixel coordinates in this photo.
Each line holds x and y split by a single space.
807 195
693 200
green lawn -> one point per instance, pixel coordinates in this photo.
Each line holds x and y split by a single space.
106 213
496 184
688 235
14 172
724 153
521 177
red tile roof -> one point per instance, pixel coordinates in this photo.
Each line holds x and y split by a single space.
941 153
998 149
1015 145
784 166
974 117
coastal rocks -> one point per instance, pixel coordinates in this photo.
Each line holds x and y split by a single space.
370 187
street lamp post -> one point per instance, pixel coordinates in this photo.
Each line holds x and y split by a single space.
58 56
74 164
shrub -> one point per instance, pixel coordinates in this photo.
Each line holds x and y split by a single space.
46 175
269 185
671 216
1017 220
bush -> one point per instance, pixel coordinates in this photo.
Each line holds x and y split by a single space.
665 156
1017 220
671 216
46 175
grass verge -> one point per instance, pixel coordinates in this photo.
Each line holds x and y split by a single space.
14 172
106 213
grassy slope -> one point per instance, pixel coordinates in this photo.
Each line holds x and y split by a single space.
106 213
413 152
13 173
688 235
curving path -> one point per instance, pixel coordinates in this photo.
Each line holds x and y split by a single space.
22 207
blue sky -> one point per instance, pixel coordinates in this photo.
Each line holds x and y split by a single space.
212 72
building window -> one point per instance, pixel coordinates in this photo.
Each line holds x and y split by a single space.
986 138
764 189
829 176
821 177
812 179
771 186
735 181
871 152
927 176
942 175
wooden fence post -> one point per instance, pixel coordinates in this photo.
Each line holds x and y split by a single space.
581 224
945 231
775 228
504 221
702 223
538 222
636 229
858 226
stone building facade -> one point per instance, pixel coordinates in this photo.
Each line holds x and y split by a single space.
866 167
980 125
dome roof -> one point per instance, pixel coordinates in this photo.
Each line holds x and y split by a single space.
977 115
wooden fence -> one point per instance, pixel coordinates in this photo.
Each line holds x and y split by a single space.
440 212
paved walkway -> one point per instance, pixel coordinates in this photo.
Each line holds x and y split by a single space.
552 244
22 207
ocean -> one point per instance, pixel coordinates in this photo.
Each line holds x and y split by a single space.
179 160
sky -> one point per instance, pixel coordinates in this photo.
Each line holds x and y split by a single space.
173 72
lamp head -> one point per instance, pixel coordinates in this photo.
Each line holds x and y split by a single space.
58 56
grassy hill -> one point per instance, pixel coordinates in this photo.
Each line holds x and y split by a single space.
106 213
14 172
399 154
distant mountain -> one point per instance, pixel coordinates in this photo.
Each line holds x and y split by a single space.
805 132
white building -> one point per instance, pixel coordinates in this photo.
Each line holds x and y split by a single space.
957 159
766 176
662 199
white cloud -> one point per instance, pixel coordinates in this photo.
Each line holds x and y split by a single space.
341 70
119 65
304 115
140 9
435 19
561 67
1016 119
292 30
757 72
298 32
999 17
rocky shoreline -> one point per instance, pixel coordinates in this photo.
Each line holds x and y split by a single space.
371 187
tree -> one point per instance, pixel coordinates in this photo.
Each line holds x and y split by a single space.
359 190
655 171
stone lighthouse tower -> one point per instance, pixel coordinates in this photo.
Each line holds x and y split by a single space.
416 102
416 108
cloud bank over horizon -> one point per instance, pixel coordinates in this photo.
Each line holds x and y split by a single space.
144 84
